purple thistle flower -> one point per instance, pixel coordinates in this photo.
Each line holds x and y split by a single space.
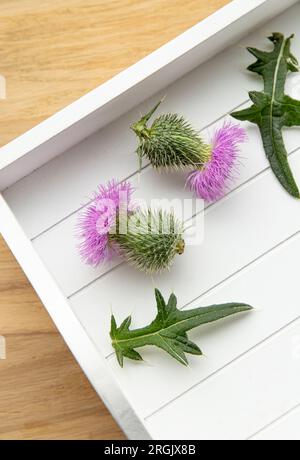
96 221
211 181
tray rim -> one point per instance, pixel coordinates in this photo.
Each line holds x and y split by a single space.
97 370
91 361
52 137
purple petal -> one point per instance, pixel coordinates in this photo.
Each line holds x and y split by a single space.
96 221
212 181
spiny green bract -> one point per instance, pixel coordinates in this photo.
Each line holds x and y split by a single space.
152 240
168 330
170 142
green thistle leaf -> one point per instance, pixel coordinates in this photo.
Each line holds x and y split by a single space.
169 329
272 110
170 142
152 240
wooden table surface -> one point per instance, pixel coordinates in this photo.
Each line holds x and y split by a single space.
52 52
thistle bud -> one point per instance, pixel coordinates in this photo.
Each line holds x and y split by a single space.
152 240
171 142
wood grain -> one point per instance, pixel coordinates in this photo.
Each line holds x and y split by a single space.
52 52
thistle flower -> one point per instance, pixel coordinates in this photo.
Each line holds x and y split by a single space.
170 142
212 180
112 226
98 219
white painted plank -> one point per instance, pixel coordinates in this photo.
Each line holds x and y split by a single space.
73 274
287 428
61 244
60 187
237 401
259 285
238 229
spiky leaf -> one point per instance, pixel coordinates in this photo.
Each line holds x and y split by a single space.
170 142
272 110
169 329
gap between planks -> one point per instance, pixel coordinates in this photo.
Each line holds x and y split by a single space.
235 274
227 365
231 276
208 207
130 176
245 353
271 424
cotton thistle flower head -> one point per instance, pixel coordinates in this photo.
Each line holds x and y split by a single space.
99 219
170 142
212 180
112 225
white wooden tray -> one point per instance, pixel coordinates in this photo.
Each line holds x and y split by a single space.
247 386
